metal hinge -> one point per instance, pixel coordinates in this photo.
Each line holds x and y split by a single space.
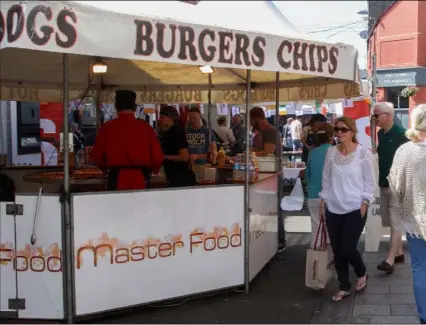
13 209
17 304
8 314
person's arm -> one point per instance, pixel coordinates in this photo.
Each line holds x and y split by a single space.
326 178
231 138
397 185
368 176
99 149
269 143
157 156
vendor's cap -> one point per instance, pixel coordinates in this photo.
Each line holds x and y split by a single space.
318 118
169 111
125 95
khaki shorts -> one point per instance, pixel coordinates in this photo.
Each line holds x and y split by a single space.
384 207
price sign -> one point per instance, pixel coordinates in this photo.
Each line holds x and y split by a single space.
222 109
347 103
235 110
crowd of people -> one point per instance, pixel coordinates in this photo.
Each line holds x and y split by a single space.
341 185
340 175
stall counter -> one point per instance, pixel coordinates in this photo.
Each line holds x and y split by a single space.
145 246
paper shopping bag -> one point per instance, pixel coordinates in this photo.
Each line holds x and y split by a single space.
319 262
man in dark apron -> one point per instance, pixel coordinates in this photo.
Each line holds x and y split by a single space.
308 138
127 147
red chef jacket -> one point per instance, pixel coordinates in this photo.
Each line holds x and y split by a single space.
127 141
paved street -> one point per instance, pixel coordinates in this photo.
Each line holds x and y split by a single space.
388 299
279 296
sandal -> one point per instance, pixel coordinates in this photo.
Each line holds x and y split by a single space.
361 286
338 297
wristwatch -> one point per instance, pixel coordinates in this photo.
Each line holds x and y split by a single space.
367 202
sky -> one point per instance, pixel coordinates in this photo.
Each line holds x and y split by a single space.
325 20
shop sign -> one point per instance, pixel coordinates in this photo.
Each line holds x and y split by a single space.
142 250
68 29
401 77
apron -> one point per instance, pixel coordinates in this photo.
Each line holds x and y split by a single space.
310 141
114 172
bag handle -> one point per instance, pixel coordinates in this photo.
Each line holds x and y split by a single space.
323 231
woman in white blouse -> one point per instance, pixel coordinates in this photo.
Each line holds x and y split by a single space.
407 182
347 190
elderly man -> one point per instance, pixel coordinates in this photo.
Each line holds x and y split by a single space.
390 137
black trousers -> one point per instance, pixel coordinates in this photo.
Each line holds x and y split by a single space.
344 231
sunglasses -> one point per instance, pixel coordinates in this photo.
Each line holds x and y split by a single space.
343 130
376 116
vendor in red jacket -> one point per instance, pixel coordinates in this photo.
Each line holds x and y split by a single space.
127 147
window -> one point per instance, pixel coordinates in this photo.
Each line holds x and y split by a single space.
28 127
393 95
402 116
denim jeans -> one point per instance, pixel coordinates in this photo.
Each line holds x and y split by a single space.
417 248
344 231
297 145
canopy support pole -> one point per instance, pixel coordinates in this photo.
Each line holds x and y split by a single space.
373 102
98 101
67 259
279 161
209 97
247 190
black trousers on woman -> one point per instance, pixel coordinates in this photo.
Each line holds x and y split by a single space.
344 231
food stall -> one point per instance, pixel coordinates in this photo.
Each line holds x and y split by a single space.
72 255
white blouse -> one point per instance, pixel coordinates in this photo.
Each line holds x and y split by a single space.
347 180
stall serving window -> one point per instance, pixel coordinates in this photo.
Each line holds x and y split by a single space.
28 127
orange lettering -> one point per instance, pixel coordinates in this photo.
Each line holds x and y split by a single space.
194 243
137 253
164 250
95 251
124 254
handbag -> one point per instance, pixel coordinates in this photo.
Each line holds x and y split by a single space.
319 261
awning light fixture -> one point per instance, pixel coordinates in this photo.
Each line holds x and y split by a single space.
206 69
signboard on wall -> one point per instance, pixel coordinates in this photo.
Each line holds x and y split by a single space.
141 250
401 77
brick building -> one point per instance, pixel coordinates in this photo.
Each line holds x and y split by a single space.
398 37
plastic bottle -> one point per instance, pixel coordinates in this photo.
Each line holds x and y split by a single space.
242 174
236 168
221 157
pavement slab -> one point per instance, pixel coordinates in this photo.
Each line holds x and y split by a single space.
388 299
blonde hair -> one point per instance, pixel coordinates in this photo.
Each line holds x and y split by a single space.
350 123
418 123
385 107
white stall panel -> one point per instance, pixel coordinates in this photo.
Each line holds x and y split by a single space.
7 248
39 265
263 224
139 247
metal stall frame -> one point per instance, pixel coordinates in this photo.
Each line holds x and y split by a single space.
67 233
69 274
247 190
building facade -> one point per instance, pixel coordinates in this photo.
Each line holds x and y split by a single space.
398 39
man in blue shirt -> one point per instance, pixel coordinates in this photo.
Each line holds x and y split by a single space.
200 142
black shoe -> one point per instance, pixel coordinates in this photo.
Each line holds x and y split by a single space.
422 321
385 267
400 259
281 248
